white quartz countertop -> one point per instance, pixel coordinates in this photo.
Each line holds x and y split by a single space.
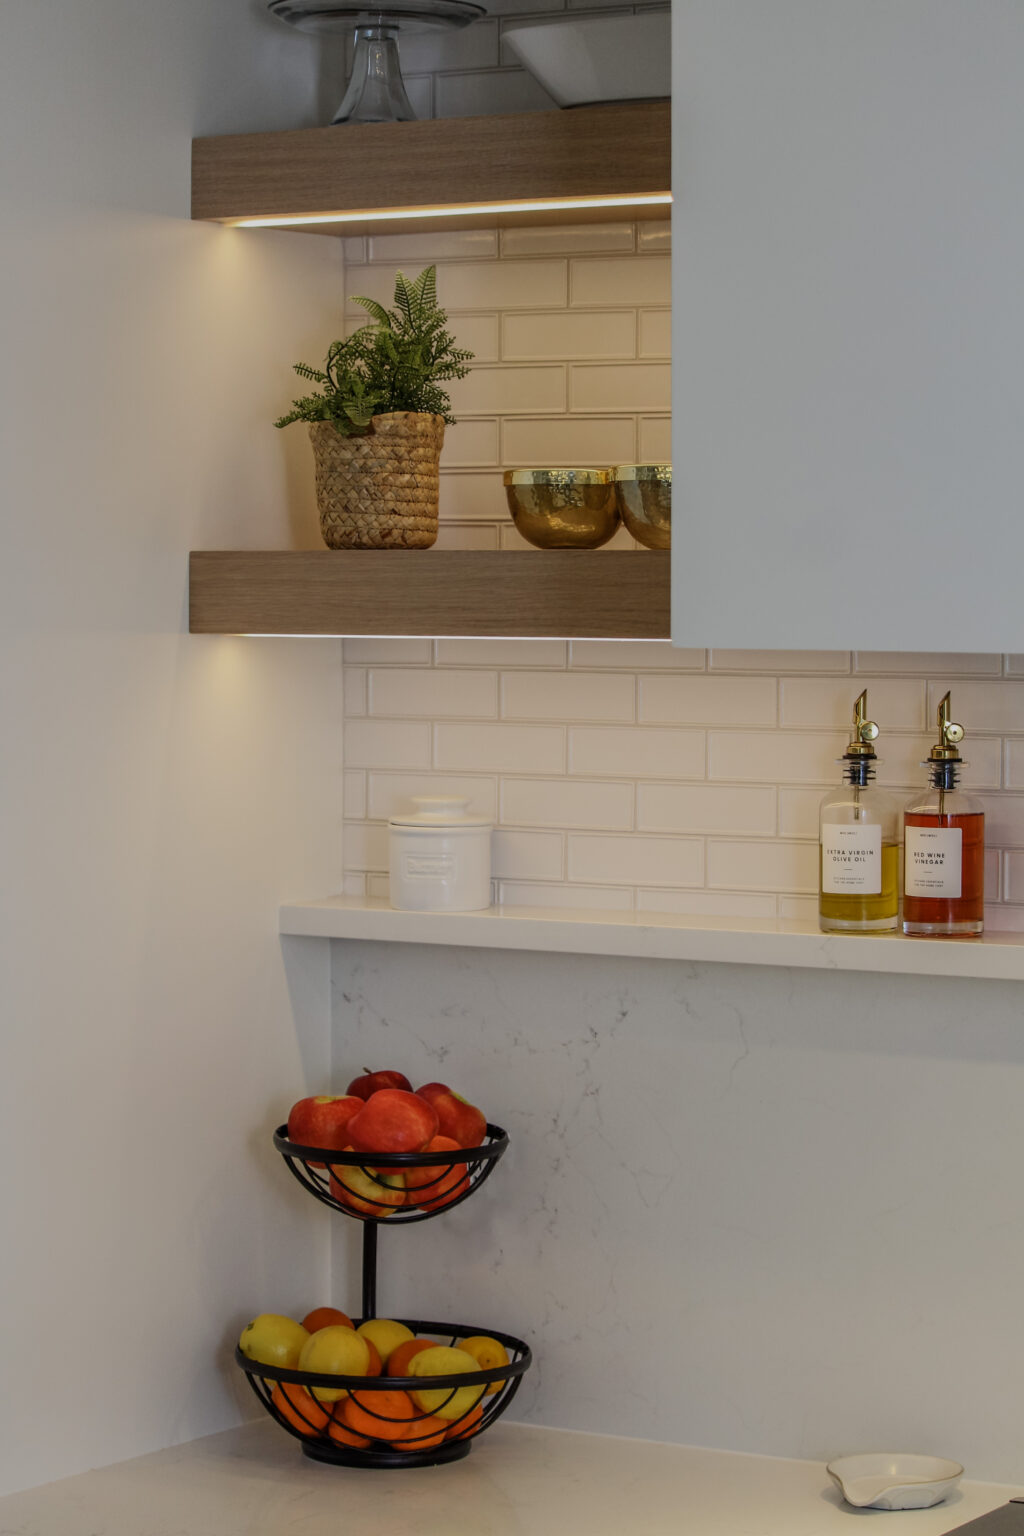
657 936
517 1481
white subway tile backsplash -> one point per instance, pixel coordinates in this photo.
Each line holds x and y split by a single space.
387 651
583 898
1014 665
654 235
1014 752
706 700
470 444
482 285
583 333
701 808
391 794
655 333
994 873
474 47
965 664
568 696
459 535
354 793
473 497
798 811
527 855
518 389
432 245
366 845
814 703
354 685
706 903
635 860
1004 820
583 442
565 239
502 748
635 655
620 386
901 759
567 803
981 706
654 440
640 753
479 334
802 908
614 281
774 757
779 661
763 866
438 693
387 744
501 653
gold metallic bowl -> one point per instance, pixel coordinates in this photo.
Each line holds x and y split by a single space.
563 508
644 493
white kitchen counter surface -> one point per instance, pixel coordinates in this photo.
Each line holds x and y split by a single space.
657 936
517 1481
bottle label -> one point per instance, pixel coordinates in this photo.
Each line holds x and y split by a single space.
851 860
933 861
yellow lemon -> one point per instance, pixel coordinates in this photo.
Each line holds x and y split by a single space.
386 1334
273 1340
444 1402
334 1351
488 1354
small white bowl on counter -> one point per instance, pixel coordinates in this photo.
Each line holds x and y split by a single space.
883 1480
583 60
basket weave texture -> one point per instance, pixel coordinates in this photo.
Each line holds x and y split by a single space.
379 491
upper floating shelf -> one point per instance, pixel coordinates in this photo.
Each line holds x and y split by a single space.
532 168
564 594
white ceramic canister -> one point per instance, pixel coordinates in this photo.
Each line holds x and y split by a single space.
440 857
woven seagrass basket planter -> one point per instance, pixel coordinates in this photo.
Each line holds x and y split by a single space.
379 491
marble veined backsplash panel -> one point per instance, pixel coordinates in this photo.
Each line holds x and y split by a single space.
755 1209
636 777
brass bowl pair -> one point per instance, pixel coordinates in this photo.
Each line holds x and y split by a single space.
582 508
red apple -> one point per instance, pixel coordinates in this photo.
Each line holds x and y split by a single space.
392 1120
456 1117
373 1082
368 1191
430 1188
322 1121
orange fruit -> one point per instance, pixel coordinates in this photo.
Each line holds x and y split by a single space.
467 1424
397 1362
302 1412
382 1415
326 1317
424 1432
345 1436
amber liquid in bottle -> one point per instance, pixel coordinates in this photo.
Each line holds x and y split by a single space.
945 811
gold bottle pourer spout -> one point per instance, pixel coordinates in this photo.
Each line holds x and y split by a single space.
865 731
950 737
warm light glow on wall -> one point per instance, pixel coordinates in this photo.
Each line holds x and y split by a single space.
450 210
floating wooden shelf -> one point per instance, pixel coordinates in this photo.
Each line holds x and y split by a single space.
372 170
572 594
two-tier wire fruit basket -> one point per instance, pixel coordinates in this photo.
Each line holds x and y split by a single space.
382 1426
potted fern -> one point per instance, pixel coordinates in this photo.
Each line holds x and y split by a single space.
377 420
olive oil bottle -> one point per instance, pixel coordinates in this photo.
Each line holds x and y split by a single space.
859 842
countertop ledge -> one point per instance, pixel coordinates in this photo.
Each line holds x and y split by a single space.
654 936
517 1481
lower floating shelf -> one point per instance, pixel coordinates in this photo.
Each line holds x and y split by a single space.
546 594
653 936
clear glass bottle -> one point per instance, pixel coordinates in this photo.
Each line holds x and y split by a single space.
858 875
944 836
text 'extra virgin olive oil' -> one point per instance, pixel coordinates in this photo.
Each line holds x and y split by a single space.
944 832
858 880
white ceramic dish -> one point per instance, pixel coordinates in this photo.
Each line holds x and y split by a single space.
881 1480
589 59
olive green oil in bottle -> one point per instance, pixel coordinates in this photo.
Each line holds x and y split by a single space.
859 855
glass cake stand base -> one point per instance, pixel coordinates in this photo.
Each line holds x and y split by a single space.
376 91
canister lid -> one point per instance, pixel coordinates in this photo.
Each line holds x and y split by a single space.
439 811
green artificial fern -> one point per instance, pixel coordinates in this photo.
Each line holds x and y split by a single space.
397 364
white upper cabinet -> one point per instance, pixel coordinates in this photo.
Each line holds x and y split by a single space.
848 347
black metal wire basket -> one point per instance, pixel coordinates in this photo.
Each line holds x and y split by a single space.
390 1429
364 1185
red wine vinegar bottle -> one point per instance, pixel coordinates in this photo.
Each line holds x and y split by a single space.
944 846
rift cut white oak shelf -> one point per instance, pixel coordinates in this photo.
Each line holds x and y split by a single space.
564 594
533 167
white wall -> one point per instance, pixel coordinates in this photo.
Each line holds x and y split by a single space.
159 793
752 1209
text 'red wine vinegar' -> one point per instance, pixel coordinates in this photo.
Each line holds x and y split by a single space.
944 846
